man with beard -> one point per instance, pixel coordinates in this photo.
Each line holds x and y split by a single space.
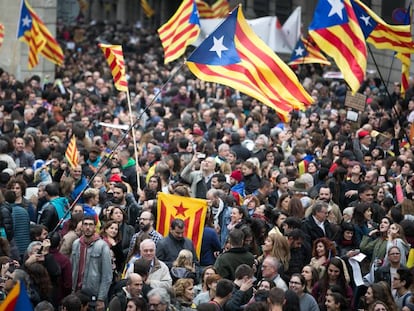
126 202
146 226
91 263
325 195
169 247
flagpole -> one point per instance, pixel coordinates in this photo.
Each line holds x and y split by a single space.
386 88
131 121
123 137
389 71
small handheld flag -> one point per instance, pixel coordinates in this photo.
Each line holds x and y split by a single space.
71 153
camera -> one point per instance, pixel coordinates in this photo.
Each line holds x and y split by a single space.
201 155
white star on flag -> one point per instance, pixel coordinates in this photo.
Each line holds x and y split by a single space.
26 21
336 8
299 51
218 46
366 20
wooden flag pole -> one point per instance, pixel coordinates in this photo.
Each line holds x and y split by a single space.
131 121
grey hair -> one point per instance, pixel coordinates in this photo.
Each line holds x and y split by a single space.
318 207
162 293
31 245
44 306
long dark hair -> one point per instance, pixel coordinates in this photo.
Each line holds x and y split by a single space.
324 281
292 302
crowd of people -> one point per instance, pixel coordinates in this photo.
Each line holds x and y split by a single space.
316 213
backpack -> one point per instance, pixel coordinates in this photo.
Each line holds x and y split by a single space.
122 300
117 291
405 299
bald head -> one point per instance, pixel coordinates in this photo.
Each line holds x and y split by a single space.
134 284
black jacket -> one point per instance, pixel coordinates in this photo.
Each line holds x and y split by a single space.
313 231
49 217
251 183
169 247
241 152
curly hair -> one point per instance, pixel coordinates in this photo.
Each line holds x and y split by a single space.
19 181
180 286
329 247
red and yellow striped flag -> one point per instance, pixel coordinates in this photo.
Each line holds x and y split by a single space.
181 30
33 31
220 8
405 58
1 34
147 9
192 211
115 58
71 153
17 299
235 56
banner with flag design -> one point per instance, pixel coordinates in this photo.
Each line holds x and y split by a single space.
380 34
336 30
306 53
180 30
192 211
71 153
33 31
17 299
115 59
235 56
405 58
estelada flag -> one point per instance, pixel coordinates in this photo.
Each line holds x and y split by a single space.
192 211
17 299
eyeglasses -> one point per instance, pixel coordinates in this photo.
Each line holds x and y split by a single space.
396 279
295 283
144 219
394 254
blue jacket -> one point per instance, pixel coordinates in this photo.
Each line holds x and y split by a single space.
21 228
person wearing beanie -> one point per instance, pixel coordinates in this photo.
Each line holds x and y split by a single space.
237 183
362 144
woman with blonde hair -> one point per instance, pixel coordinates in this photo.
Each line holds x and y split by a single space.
183 266
396 237
276 245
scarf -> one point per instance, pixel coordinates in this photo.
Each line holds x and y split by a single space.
82 257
